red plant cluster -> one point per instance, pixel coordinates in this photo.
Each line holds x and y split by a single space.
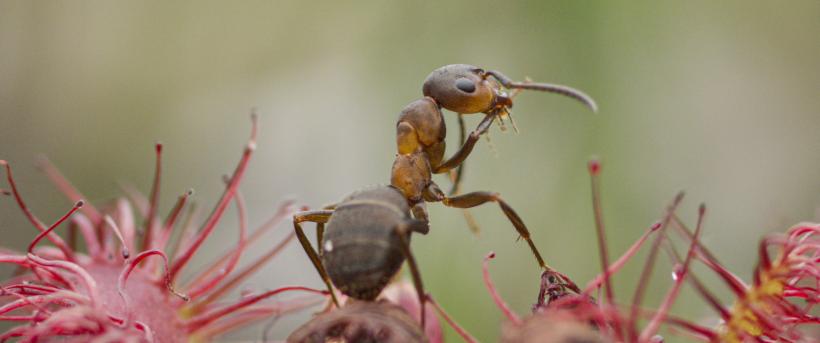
773 308
109 294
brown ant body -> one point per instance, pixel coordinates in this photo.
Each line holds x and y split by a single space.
421 132
368 233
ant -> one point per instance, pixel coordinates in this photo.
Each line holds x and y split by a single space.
421 132
367 238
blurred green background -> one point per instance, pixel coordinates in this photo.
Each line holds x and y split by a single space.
717 98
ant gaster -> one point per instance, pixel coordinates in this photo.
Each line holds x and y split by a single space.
366 241
421 132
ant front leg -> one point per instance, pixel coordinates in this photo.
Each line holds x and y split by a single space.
320 217
467 147
456 177
474 199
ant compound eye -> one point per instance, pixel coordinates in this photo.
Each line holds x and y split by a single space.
552 279
465 85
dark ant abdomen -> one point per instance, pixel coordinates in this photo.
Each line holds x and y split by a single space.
361 249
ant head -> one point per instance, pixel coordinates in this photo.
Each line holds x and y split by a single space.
464 88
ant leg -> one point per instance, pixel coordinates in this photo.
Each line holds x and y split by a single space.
467 147
457 174
320 234
420 213
403 232
479 198
317 217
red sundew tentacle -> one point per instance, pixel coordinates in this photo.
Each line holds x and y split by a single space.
707 333
765 260
204 319
17 331
53 253
188 231
245 273
710 298
511 316
68 252
581 308
29 289
125 220
648 266
170 221
466 336
151 220
123 278
24 298
149 334
216 215
67 188
660 316
92 245
110 222
684 232
594 168
672 295
206 285
29 318
86 279
250 315
24 262
47 276
621 261
802 229
65 298
15 259
285 210
735 283
56 240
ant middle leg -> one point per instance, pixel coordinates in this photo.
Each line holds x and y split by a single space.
320 217
474 199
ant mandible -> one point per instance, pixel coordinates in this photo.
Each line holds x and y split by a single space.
421 132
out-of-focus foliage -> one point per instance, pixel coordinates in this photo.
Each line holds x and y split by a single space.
718 98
